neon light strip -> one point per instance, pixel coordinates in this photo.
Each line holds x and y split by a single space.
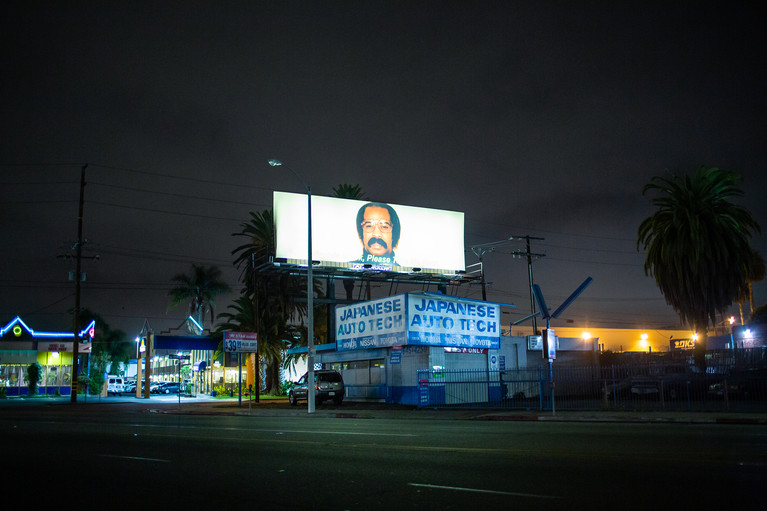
18 320
196 323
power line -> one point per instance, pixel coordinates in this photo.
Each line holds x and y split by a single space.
171 194
594 262
158 256
167 212
182 178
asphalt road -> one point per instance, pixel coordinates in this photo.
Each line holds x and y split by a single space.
122 456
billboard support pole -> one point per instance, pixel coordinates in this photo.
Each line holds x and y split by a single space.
309 289
310 307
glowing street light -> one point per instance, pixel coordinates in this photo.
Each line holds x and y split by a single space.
309 289
644 340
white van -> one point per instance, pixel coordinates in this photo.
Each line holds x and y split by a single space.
115 385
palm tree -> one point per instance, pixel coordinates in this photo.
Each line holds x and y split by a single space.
272 296
759 316
246 318
259 247
199 289
755 272
347 191
697 244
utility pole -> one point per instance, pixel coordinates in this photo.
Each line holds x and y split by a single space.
76 321
530 278
530 255
481 250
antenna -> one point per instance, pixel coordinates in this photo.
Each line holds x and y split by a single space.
546 351
572 297
544 311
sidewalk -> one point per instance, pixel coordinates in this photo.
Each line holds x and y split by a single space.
206 405
372 410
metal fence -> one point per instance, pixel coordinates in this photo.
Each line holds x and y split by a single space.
731 382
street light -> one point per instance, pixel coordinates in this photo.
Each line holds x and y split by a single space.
309 288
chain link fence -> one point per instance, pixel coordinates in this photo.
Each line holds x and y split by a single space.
731 381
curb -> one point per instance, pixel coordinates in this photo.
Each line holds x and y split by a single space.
478 415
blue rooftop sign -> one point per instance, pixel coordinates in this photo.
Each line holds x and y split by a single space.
418 319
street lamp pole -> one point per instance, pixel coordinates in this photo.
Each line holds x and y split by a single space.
309 291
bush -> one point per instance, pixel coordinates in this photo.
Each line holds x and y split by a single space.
34 375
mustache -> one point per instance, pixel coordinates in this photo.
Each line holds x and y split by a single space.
377 240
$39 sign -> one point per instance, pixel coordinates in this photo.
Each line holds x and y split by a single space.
239 342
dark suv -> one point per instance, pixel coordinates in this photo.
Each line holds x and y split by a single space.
327 385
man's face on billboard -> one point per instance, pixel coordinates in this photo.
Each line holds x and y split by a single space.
377 231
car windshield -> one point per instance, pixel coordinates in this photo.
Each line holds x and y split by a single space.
331 377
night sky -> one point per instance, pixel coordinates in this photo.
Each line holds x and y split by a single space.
533 118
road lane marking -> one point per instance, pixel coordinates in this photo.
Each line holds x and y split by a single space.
134 458
344 433
479 490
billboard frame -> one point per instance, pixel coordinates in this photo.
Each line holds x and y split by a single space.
337 244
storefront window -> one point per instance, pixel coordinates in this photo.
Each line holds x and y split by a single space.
52 378
10 375
362 372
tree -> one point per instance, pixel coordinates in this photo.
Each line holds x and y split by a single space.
759 316
259 247
755 272
108 347
99 362
268 304
34 375
113 343
346 191
199 289
243 319
697 244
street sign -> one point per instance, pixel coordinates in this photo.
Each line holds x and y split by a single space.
549 343
240 342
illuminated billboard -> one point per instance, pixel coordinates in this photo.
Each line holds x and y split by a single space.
369 235
418 319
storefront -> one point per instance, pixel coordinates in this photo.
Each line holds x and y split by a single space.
21 346
382 344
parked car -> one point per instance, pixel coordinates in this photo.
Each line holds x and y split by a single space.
169 387
130 387
327 385
115 385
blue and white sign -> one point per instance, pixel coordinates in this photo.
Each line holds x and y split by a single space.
374 324
418 319
444 321
240 342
